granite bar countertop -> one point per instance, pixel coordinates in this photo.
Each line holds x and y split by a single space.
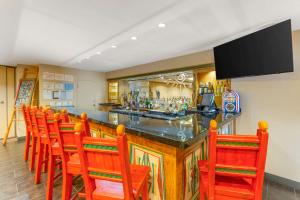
181 133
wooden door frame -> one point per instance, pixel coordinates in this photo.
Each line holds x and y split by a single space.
6 95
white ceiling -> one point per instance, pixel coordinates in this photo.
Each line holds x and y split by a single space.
66 32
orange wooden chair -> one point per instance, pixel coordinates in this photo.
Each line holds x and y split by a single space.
69 155
45 123
28 130
107 173
44 138
85 124
235 169
42 141
34 136
64 116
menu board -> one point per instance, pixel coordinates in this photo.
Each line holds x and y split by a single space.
25 92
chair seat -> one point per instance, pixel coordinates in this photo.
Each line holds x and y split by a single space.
114 190
73 165
55 148
44 138
237 188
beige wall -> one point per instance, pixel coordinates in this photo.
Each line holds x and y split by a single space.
275 98
92 85
194 59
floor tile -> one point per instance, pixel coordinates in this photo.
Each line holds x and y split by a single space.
16 181
298 194
279 192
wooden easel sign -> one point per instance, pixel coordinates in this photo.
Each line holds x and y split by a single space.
24 96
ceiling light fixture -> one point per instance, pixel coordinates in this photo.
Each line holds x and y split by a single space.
133 38
161 25
114 46
98 53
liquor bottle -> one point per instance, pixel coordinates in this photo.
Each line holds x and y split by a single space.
209 88
201 87
226 86
222 88
205 88
218 89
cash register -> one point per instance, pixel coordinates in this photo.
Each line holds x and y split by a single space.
208 104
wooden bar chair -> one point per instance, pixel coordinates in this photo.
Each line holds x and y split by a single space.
107 173
235 169
43 139
42 154
28 130
45 123
85 124
64 116
69 155
34 136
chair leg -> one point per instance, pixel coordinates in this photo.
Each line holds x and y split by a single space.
38 171
33 152
66 186
145 195
27 145
50 179
46 157
201 191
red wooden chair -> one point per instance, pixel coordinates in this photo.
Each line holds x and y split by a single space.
107 173
28 131
45 123
44 139
85 124
235 169
34 135
64 116
69 155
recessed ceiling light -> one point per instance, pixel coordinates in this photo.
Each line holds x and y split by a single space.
161 25
113 46
98 52
133 38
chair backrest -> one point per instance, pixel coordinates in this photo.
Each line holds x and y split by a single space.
45 124
238 156
26 116
105 159
35 129
66 138
64 116
85 124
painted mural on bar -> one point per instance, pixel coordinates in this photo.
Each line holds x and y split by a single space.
147 157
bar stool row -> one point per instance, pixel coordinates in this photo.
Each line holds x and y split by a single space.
62 148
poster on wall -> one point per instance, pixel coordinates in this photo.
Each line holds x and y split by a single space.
48 85
69 86
47 94
69 78
48 76
59 77
69 94
59 86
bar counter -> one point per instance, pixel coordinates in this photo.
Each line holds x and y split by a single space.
171 148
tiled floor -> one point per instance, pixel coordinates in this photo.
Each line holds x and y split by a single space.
16 182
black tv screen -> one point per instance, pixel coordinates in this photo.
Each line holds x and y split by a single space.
268 51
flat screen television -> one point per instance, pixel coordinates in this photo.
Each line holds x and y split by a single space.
268 51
